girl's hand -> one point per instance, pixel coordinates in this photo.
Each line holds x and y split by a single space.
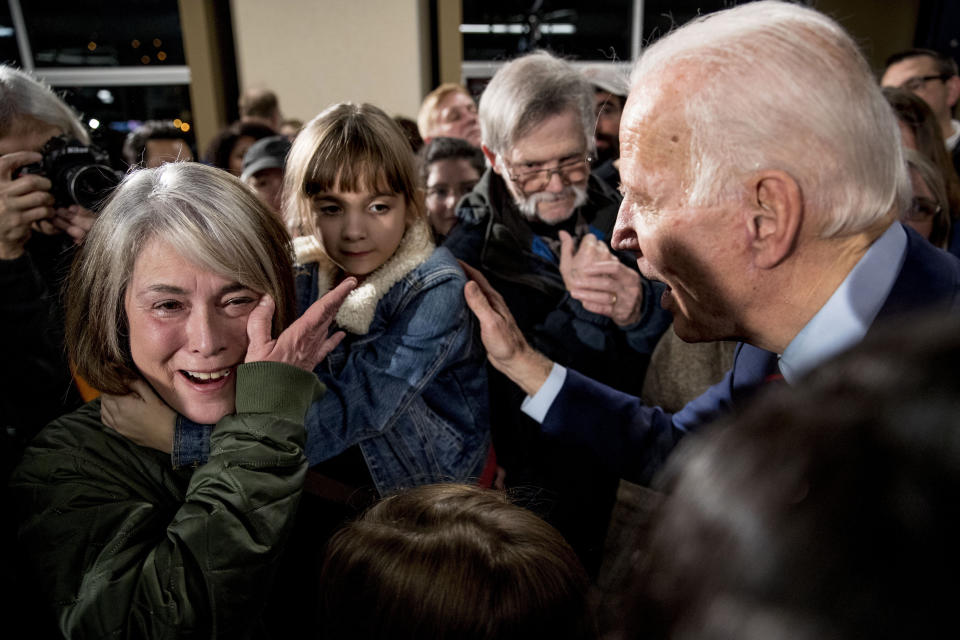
140 416
305 343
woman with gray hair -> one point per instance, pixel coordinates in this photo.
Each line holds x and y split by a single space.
175 290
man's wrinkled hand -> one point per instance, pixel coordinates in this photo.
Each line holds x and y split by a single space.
600 282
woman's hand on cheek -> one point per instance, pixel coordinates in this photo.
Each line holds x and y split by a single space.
305 343
140 416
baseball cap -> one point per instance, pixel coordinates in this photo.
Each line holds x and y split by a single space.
265 153
608 77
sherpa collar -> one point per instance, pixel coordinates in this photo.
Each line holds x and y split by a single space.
357 311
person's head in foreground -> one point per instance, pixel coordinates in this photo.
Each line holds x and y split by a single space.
351 182
164 283
757 151
537 117
443 562
450 112
826 510
450 168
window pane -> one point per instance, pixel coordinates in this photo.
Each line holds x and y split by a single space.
107 33
117 110
503 29
9 54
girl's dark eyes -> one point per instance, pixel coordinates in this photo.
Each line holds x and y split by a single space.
328 209
331 209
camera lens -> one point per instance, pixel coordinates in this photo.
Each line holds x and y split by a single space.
88 185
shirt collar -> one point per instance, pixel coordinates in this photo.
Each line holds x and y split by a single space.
951 142
844 319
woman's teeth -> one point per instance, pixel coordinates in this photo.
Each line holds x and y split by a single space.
206 376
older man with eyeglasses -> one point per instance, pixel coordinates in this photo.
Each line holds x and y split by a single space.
538 226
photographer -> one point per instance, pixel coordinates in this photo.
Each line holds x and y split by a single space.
36 241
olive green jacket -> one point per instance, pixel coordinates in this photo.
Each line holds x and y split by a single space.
121 545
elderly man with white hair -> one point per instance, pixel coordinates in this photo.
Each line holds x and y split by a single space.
763 180
538 225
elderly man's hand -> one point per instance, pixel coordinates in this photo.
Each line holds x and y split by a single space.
140 416
601 283
23 202
305 343
506 347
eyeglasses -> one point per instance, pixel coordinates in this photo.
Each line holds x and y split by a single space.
915 84
922 209
534 180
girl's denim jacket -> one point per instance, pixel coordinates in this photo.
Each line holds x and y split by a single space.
408 384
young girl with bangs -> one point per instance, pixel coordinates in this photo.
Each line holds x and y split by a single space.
406 400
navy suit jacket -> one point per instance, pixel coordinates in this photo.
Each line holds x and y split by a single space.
635 439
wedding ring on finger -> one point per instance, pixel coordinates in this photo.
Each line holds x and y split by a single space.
613 298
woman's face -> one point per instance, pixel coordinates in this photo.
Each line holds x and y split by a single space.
188 331
447 181
922 224
360 230
236 154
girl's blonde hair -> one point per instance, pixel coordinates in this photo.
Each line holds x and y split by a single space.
348 147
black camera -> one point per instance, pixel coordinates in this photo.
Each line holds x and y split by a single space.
80 173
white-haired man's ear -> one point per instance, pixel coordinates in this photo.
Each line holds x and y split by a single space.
775 214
